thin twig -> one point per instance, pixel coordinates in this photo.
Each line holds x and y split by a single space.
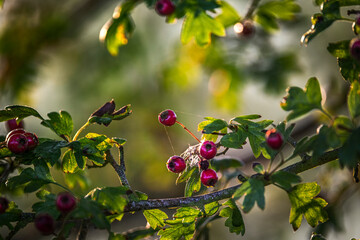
83 230
252 9
118 168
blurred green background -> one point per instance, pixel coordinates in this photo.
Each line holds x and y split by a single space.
51 59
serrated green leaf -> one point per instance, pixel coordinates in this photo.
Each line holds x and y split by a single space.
61 123
233 139
343 127
155 217
247 117
119 141
350 152
176 232
320 23
229 16
113 198
349 69
185 175
18 111
220 164
11 216
254 190
300 101
266 21
25 176
258 167
235 222
49 150
214 126
353 99
304 203
69 164
193 184
186 214
141 195
284 10
200 26
285 179
339 49
211 208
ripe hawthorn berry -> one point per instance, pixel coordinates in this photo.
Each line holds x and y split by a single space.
45 223
176 164
355 48
12 132
65 202
274 139
208 177
32 140
12 124
164 7
167 117
356 25
208 150
17 143
4 204
203 164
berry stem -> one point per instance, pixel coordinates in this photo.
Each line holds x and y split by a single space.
186 129
251 9
80 130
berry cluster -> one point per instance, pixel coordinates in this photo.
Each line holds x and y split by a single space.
206 151
19 141
65 203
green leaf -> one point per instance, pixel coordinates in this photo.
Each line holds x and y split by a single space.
220 164
193 184
255 134
49 150
211 208
200 26
229 16
350 152
47 206
77 179
349 69
235 222
339 49
343 127
353 99
266 21
116 32
284 10
233 139
253 189
155 217
25 176
141 195
177 231
214 126
185 175
61 123
88 208
284 179
315 236
247 117
69 164
300 101
320 23
18 111
258 167
113 198
304 203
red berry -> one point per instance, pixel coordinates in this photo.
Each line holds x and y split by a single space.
355 48
4 204
274 138
208 149
244 29
203 165
18 130
167 117
32 140
45 223
12 124
164 7
176 164
208 177
17 143
65 202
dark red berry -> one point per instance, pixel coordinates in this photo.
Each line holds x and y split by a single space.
164 7
355 48
18 130
45 223
208 149
65 202
203 164
167 117
32 140
244 29
274 138
208 177
4 204
176 164
12 124
17 143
